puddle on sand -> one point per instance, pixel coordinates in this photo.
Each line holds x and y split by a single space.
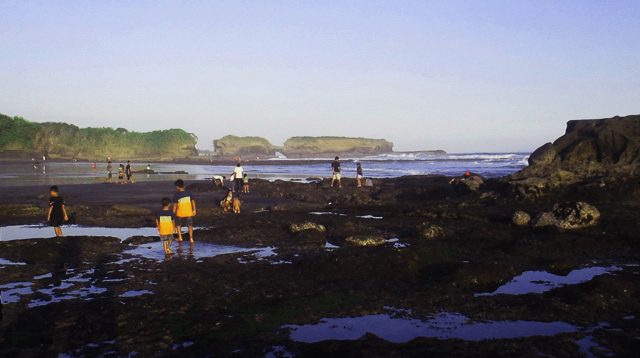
326 213
588 345
441 326
542 281
370 217
5 262
396 243
135 293
11 292
197 250
25 232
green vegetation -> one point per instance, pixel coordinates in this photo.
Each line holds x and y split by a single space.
240 146
21 138
301 146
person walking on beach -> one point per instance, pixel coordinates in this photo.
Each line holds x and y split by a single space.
336 172
128 172
184 207
359 174
238 174
57 214
166 223
109 172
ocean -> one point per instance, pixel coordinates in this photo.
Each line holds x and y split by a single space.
381 166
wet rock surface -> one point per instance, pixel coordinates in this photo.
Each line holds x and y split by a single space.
250 282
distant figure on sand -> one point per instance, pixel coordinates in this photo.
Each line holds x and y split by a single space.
121 174
184 206
336 172
218 180
109 172
166 223
57 214
245 183
359 174
238 174
128 172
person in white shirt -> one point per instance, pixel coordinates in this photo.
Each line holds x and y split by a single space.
238 174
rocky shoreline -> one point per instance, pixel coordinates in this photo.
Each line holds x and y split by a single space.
413 266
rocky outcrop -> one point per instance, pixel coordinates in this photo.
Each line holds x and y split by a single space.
569 216
330 146
233 146
598 147
430 231
521 218
20 138
365 240
305 226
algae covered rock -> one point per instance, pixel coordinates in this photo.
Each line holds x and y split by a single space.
521 218
572 216
430 231
365 240
305 226
569 216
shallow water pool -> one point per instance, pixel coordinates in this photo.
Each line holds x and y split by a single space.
543 281
441 326
24 232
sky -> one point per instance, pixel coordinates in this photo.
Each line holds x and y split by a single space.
463 76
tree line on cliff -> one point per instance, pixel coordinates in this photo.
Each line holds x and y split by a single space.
22 138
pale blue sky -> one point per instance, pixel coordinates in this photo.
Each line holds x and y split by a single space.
457 75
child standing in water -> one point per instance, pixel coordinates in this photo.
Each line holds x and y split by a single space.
57 214
184 206
166 223
359 174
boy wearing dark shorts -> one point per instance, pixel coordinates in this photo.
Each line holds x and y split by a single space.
184 207
166 223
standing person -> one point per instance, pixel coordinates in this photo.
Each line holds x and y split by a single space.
128 172
109 172
238 174
166 223
121 174
245 183
359 174
336 172
57 214
184 206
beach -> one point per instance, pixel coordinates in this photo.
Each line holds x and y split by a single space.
412 266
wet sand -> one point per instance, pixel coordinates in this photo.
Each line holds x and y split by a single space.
315 293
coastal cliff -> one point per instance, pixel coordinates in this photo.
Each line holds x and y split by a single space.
318 146
299 147
235 146
20 138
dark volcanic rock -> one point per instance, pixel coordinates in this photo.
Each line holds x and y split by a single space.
596 151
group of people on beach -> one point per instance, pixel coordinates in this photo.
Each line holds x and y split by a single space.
178 212
337 173
125 173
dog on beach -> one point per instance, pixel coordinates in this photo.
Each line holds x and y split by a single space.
236 205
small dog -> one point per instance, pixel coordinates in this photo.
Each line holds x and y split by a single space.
236 205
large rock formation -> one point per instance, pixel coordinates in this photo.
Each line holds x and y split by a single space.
589 149
234 146
20 138
329 146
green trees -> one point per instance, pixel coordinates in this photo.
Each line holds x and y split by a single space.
61 140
